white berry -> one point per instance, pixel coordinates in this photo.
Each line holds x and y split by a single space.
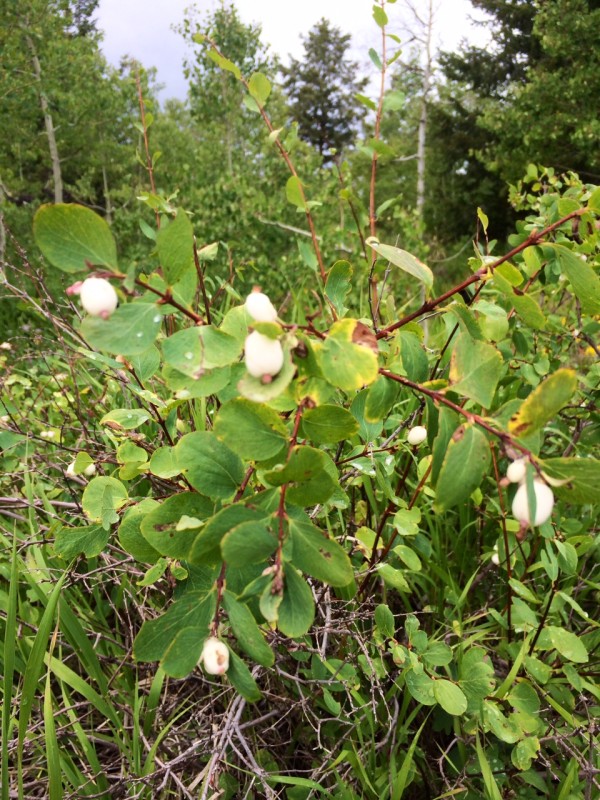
215 656
90 470
516 470
416 435
260 308
98 297
263 356
70 470
544 503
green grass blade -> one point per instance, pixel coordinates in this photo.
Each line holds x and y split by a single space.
55 787
9 665
77 683
399 784
492 792
33 670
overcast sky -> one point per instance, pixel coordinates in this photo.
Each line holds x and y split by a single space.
142 29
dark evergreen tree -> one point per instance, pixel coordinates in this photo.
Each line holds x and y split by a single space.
322 90
532 96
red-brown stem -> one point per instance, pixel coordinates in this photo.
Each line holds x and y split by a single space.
201 281
476 419
286 157
534 238
167 297
372 217
388 546
149 166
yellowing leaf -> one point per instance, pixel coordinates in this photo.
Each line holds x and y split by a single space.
543 403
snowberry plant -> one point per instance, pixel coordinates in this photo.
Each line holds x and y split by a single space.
270 463
263 429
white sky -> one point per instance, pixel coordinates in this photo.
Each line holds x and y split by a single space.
142 28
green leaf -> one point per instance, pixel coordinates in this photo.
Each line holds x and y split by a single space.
475 369
524 752
594 201
210 467
316 554
259 87
126 418
206 548
483 218
506 278
224 63
294 193
581 476
161 529
247 632
450 696
255 432
306 472
381 397
465 464
146 364
406 261
70 236
328 423
192 351
374 56
544 403
193 610
380 16
338 285
567 644
101 500
297 609
175 244
347 365
241 679
393 577
163 463
409 358
584 281
131 329
249 543
183 653
437 654
420 686
130 535
89 540
154 573
392 101
408 556
384 619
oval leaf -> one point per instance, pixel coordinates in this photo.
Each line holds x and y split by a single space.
71 237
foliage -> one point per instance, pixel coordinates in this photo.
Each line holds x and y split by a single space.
391 630
322 91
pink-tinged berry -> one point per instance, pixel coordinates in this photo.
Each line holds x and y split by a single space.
544 503
215 656
98 297
416 435
262 356
517 470
260 308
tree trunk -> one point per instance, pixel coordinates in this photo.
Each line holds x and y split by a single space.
52 146
108 203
